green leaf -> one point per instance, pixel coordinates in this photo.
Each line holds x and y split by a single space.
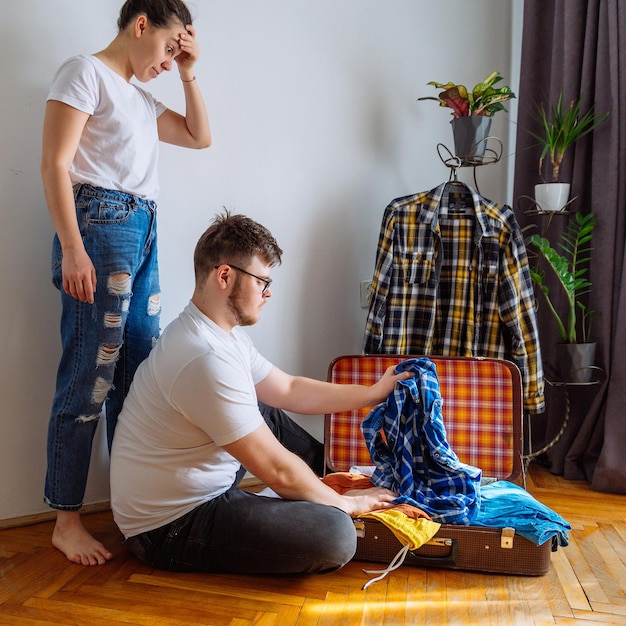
484 99
562 126
571 270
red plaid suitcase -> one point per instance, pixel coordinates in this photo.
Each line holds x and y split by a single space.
483 415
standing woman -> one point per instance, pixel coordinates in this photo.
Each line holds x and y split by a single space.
99 167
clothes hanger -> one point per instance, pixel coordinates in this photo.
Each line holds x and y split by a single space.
459 199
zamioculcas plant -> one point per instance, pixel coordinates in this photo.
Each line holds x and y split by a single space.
571 270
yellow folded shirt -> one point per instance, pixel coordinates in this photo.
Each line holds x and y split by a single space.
409 532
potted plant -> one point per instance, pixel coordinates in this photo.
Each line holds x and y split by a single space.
472 111
571 269
560 127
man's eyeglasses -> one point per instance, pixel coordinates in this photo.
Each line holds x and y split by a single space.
266 281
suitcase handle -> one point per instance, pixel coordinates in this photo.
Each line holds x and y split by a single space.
449 560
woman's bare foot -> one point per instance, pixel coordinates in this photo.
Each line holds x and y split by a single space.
71 537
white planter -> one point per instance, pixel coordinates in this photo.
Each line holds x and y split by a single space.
552 196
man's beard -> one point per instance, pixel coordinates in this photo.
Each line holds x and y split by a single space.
237 305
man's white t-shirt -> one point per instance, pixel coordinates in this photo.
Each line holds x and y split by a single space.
119 146
193 394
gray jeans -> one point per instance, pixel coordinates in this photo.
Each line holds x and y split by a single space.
242 532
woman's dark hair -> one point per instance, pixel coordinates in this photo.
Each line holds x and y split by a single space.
161 13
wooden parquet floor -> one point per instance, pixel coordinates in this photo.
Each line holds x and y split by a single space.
585 585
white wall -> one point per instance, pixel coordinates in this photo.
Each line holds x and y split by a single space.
316 128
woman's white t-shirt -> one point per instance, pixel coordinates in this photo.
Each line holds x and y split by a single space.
193 394
119 146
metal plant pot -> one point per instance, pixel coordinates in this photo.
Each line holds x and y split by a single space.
576 361
470 133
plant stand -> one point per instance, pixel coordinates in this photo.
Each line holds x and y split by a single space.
535 209
455 162
533 454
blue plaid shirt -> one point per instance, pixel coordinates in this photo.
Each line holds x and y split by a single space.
407 441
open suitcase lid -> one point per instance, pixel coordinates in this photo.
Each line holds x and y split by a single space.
482 412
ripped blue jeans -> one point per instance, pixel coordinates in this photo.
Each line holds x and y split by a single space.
104 342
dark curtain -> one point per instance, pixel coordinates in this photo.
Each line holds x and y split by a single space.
580 46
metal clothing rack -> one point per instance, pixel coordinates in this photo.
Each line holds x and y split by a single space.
454 162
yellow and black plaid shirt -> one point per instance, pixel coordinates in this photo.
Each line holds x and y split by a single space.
452 279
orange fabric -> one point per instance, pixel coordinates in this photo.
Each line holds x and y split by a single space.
344 481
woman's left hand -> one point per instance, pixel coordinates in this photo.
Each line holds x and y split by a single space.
190 51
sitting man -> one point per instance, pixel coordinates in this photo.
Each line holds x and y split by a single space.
198 413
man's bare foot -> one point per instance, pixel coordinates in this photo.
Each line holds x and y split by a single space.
71 537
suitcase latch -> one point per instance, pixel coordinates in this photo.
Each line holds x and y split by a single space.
359 526
440 541
506 538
